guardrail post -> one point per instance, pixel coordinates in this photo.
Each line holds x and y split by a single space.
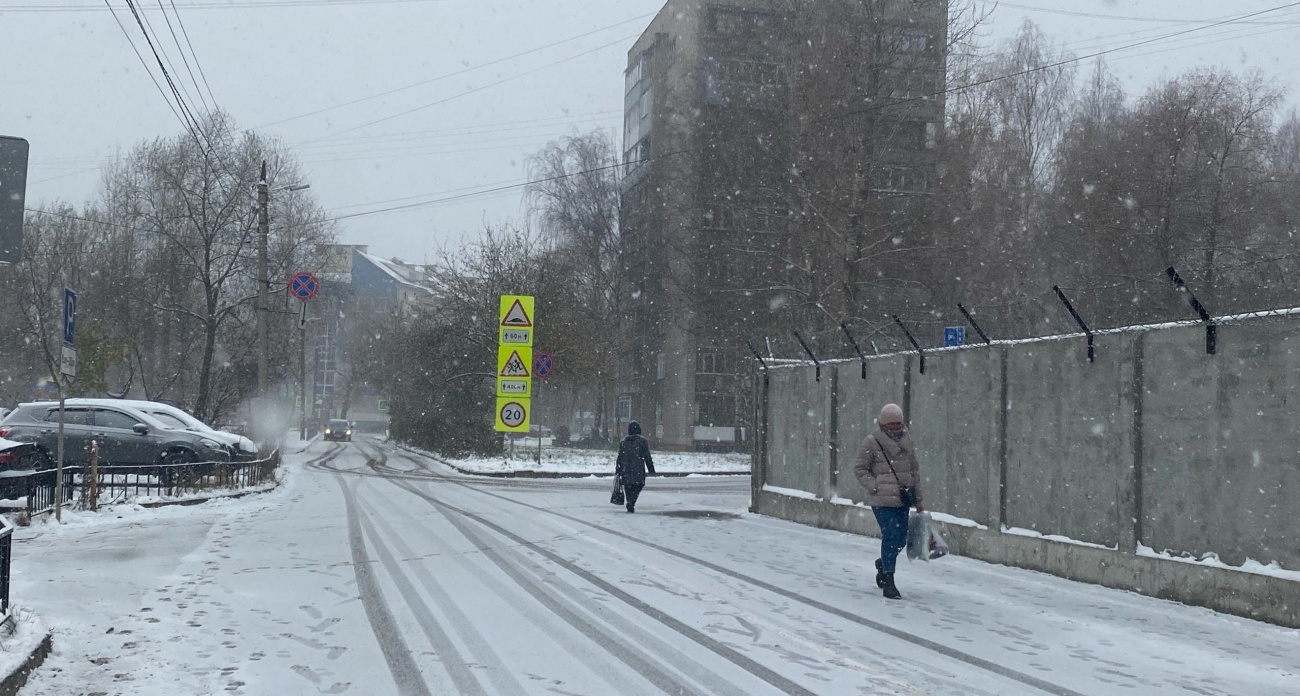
919 350
757 355
808 350
90 489
1211 329
853 342
971 320
1082 324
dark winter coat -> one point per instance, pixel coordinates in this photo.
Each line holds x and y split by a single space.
634 460
873 472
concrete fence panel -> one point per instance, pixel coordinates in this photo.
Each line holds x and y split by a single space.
858 405
1069 437
799 423
955 407
1221 469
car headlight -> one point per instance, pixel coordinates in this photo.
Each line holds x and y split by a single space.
327 431
210 444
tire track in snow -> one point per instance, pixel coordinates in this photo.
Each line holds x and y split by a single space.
952 653
452 661
619 629
397 654
717 647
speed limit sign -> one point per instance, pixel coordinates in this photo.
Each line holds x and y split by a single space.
512 415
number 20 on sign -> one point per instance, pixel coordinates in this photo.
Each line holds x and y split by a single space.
512 415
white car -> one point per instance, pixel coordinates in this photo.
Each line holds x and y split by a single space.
241 448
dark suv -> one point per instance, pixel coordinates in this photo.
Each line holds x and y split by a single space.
125 436
338 430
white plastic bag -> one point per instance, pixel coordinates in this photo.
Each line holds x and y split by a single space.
923 540
918 536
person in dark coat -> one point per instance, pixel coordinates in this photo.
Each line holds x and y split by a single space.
633 463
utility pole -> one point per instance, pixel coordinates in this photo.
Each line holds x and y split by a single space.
263 283
302 373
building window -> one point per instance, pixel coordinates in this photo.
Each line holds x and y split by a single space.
715 410
906 40
635 73
661 366
931 135
711 364
625 408
727 22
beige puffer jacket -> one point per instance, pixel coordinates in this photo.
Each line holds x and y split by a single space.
873 472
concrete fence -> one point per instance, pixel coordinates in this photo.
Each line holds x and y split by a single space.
1133 471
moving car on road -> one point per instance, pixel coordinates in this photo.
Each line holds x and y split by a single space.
125 435
338 429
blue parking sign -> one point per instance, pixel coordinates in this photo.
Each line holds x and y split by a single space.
69 316
954 336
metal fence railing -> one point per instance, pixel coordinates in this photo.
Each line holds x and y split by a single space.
112 483
6 555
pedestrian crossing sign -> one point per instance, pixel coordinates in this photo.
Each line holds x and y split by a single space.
514 371
516 320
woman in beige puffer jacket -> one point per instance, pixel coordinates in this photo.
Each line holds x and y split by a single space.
886 465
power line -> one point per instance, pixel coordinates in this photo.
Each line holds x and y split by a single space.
1129 18
454 74
846 114
472 91
191 122
212 5
163 50
145 64
185 60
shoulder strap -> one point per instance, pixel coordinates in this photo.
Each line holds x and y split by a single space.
881 445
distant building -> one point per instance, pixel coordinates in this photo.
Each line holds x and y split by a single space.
750 127
356 286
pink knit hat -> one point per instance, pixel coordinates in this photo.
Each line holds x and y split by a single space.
891 413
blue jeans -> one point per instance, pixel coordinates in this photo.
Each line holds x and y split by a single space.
893 535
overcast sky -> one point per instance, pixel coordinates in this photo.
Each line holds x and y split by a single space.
73 86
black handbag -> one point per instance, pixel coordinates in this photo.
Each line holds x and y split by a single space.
907 494
616 496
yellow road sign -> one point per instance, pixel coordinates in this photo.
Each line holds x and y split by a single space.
513 414
514 371
516 320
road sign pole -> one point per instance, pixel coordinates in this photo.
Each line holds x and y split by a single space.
302 374
58 468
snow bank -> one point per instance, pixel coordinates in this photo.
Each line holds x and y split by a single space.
1212 560
18 643
793 493
576 462
1018 531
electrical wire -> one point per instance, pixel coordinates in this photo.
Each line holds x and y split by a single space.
145 63
431 80
1130 18
186 34
474 90
176 39
191 122
212 5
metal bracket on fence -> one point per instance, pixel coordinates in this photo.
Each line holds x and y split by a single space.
1082 324
757 355
919 350
1211 329
808 350
874 347
853 342
974 325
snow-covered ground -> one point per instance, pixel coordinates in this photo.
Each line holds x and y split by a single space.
565 460
383 572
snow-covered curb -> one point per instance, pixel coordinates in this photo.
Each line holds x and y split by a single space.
1212 560
571 463
22 650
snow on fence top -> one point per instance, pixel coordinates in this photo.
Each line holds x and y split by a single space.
777 363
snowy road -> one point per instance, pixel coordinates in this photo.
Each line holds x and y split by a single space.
376 572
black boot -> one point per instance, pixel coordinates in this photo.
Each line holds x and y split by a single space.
891 592
880 575
631 508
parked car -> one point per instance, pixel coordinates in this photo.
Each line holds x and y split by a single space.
125 435
17 456
241 448
338 429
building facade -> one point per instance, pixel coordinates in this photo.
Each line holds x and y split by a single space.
769 147
358 289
